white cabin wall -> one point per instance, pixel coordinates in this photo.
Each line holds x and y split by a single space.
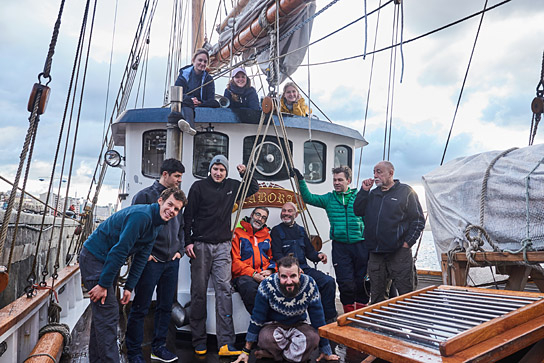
135 181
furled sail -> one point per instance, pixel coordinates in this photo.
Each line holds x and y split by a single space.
512 202
247 33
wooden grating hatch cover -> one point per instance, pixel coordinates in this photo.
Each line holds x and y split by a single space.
444 324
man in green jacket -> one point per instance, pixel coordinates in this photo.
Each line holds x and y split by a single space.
349 255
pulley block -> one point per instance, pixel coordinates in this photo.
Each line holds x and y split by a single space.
537 106
44 97
267 104
316 242
4 278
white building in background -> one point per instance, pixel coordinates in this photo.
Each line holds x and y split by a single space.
101 213
54 201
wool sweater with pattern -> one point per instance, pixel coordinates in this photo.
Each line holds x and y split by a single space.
272 305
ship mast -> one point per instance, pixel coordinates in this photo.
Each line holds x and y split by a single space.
198 24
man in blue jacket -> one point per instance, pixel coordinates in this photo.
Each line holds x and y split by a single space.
208 243
395 208
129 232
161 271
288 237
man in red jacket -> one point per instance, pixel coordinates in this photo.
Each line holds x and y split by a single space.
251 255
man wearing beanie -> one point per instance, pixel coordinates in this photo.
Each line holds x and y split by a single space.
208 244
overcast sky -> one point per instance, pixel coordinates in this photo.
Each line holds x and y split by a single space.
494 113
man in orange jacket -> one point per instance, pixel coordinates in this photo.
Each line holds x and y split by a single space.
251 255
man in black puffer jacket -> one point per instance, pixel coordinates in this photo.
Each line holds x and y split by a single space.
393 222
208 243
161 271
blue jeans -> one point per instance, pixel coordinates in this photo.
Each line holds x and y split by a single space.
163 275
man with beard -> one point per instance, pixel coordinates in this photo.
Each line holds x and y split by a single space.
349 254
129 232
161 271
395 208
208 243
288 237
283 303
251 255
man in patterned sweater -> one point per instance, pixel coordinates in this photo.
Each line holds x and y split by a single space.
284 301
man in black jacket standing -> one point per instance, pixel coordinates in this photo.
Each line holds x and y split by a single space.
161 271
393 222
208 243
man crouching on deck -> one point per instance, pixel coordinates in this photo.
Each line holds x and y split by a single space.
131 231
278 319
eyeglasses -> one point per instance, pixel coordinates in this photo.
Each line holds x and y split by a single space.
260 216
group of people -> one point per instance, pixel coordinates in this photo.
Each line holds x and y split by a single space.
371 231
199 91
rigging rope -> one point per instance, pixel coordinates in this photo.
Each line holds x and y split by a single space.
464 82
537 106
369 88
396 45
33 120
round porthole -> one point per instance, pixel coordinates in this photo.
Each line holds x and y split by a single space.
270 160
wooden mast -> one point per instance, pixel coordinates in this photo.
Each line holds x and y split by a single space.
198 24
246 37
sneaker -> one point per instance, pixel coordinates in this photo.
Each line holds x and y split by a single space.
136 359
164 355
186 127
228 350
200 349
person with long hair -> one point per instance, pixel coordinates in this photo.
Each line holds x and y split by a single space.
239 91
291 102
198 91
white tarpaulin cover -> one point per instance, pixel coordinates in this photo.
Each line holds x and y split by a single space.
453 199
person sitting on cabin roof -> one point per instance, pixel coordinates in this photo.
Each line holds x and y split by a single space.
395 208
239 91
198 91
349 254
251 253
129 232
161 271
291 102
278 322
288 237
208 243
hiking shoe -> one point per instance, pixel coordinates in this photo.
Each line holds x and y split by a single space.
200 349
228 350
186 127
163 355
136 359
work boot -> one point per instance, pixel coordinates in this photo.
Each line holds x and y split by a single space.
228 350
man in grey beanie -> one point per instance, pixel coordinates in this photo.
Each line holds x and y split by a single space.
208 243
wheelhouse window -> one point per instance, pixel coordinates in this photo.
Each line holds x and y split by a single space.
153 151
314 161
205 146
342 156
270 163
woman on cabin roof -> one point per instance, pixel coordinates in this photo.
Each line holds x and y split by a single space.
198 91
291 102
239 91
